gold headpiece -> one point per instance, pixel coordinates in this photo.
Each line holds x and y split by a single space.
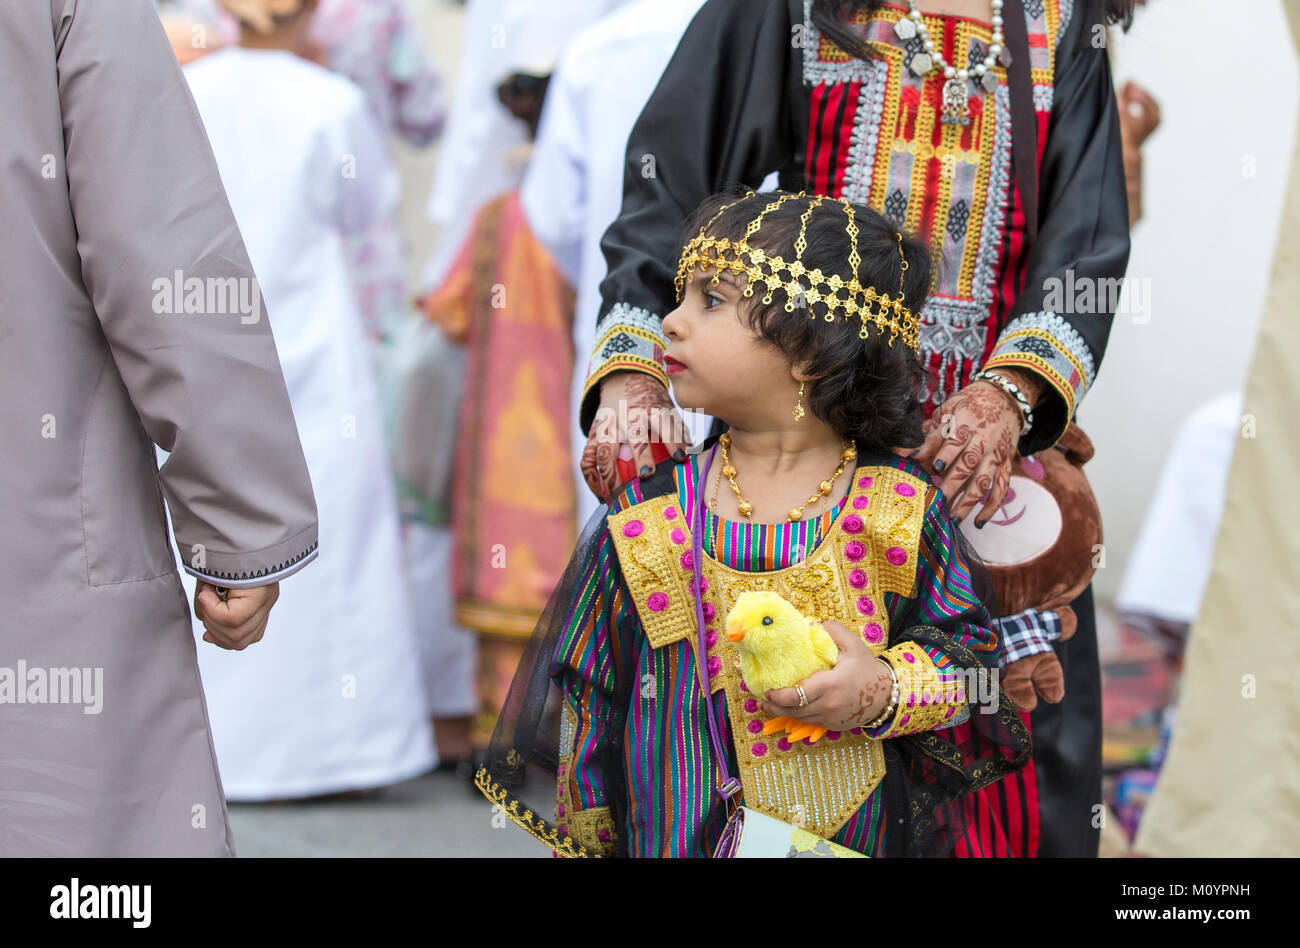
849 296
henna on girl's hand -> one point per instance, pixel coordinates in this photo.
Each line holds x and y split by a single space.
970 443
873 696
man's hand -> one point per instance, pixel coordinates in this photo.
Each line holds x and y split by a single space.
238 622
635 410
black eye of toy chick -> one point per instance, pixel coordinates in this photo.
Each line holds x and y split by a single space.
767 620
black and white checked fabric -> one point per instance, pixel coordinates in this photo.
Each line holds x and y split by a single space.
1027 633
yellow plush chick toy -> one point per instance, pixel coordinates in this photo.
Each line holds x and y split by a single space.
778 649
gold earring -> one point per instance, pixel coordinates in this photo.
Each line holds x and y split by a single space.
798 406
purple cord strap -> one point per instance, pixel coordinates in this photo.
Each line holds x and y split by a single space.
729 785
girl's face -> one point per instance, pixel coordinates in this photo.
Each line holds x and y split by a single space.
718 365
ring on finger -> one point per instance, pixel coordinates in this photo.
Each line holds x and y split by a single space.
803 698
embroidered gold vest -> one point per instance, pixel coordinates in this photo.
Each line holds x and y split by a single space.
870 549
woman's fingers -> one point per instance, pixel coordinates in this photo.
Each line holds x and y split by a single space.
652 421
976 489
607 466
924 455
641 403
590 464
590 474
1001 455
671 431
955 433
639 439
791 711
966 459
785 701
822 689
997 493
600 457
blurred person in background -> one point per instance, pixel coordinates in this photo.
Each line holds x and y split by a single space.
336 702
503 558
377 45
507 305
1159 600
573 188
485 149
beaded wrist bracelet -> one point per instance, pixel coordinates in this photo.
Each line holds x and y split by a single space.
1012 389
893 699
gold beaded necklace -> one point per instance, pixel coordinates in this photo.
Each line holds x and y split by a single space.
847 453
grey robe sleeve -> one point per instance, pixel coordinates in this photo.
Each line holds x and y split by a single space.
1057 332
154 230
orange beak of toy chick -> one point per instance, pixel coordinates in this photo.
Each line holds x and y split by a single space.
735 632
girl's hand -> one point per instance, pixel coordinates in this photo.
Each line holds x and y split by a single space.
849 695
970 444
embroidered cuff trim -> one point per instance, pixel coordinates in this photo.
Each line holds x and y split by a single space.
261 577
927 697
1047 345
627 337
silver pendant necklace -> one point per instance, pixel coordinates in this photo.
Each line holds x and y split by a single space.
956 110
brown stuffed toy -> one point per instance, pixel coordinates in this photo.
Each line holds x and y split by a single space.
1040 550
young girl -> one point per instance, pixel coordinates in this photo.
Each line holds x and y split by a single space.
796 323
990 128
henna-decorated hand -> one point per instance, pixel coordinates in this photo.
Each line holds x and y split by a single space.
849 695
970 444
648 416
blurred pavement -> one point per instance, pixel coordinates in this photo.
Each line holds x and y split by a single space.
434 815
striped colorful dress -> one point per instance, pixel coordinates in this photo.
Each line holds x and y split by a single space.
637 771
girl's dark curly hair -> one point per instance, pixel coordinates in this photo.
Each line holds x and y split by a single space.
864 389
831 17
